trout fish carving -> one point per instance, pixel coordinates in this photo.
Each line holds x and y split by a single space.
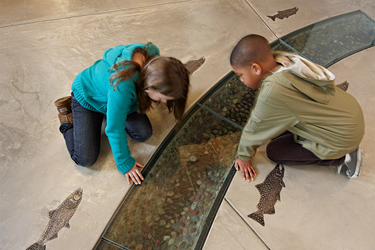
59 218
284 13
193 65
269 193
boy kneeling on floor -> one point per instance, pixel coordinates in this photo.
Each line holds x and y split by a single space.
308 119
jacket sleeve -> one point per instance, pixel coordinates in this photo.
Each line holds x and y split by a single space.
119 105
269 118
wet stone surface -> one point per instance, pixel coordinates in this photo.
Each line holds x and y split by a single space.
326 41
169 209
233 100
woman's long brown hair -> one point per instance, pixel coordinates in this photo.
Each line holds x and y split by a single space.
166 75
127 68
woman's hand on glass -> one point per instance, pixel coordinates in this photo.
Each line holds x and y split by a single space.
135 174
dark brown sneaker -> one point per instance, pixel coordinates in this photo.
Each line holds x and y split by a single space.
64 105
66 118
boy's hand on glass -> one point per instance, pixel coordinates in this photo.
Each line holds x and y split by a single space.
135 174
247 169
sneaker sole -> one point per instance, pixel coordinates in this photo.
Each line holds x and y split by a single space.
359 161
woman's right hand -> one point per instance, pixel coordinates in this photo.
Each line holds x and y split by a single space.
135 174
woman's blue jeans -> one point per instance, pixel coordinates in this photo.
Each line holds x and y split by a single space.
82 137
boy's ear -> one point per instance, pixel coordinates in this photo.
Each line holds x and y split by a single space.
256 68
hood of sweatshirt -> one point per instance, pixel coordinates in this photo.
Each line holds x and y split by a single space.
318 83
125 52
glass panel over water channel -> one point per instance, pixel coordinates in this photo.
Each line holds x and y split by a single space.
169 209
277 45
329 41
233 100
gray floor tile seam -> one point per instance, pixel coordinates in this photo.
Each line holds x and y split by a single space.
217 221
93 14
246 222
261 18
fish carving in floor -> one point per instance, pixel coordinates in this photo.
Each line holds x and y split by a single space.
59 218
193 65
284 13
269 193
344 86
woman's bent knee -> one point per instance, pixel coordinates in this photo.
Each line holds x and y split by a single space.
139 127
143 135
84 162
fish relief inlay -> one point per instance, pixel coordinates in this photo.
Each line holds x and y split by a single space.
269 193
284 13
193 65
59 218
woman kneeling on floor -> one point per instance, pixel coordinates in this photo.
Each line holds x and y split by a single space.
127 79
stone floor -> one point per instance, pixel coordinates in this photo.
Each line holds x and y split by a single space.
44 45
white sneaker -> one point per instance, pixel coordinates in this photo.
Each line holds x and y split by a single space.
347 159
353 162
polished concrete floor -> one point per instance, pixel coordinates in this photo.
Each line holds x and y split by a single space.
44 45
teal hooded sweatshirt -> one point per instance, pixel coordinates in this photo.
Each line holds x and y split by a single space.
94 91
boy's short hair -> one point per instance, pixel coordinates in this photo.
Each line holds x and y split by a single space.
250 49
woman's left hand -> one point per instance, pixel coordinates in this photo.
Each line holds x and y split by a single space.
135 174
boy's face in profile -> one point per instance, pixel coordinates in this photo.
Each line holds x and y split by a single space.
250 75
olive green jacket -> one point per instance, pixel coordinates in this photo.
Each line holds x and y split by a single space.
301 97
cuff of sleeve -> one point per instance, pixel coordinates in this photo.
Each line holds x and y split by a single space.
127 165
245 158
